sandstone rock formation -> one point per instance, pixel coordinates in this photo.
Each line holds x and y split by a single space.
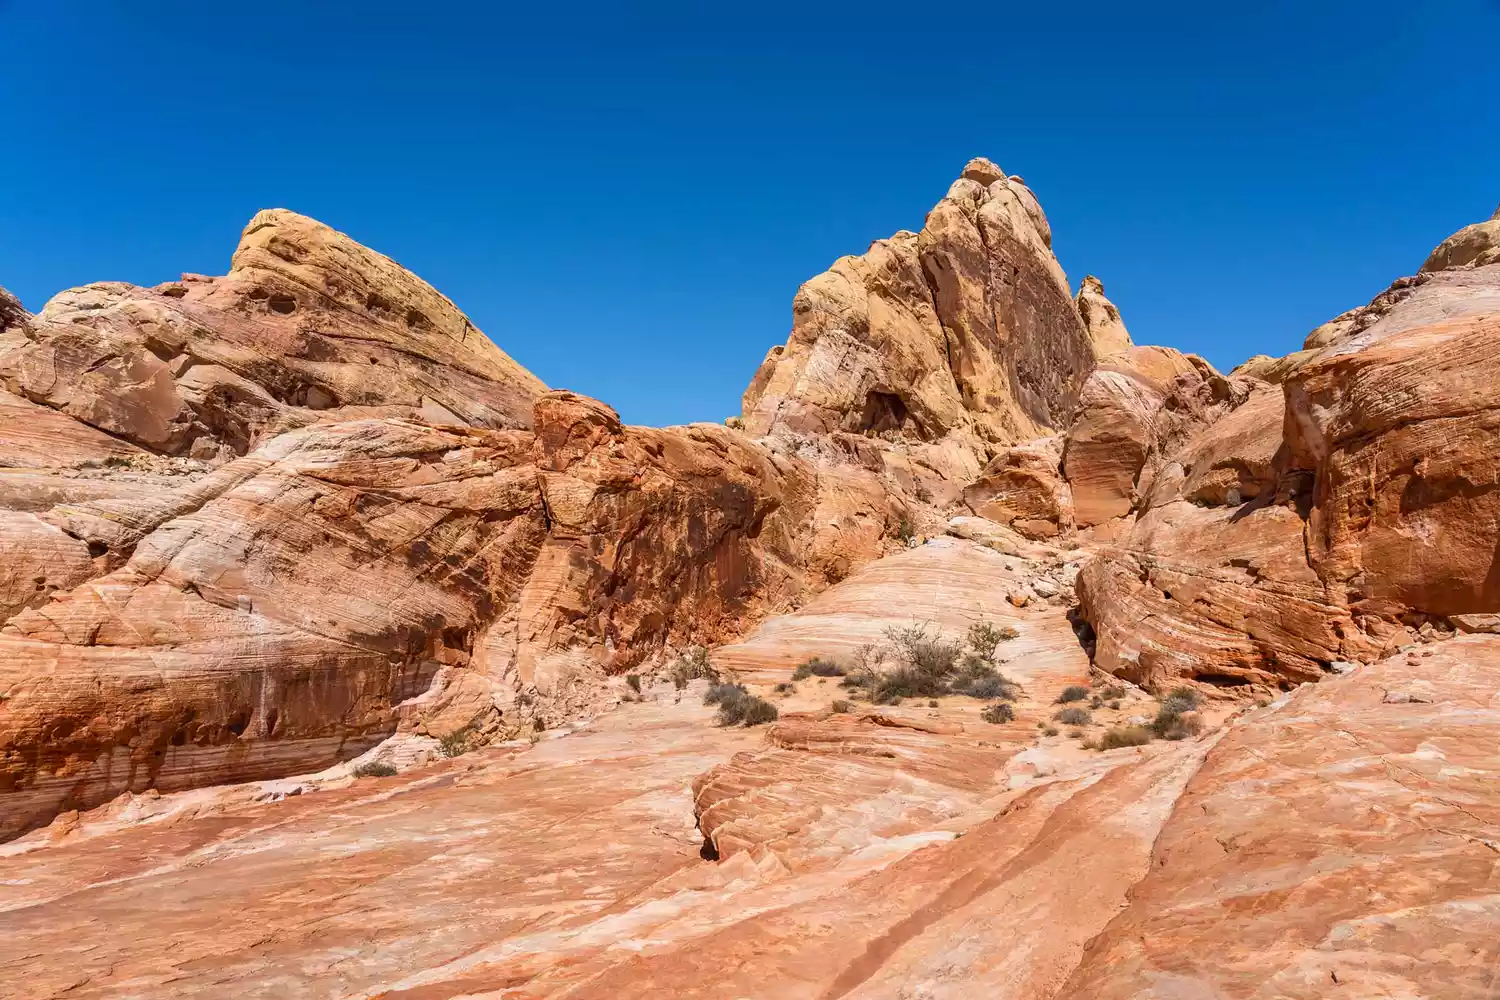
1023 487
1322 520
236 557
964 332
307 325
1101 319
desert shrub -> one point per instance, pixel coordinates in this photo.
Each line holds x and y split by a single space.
1175 719
1073 692
1125 736
1074 717
1171 725
860 680
867 656
375 769
841 707
634 681
785 688
904 682
1114 706
717 694
1075 734
905 532
1111 692
1050 731
455 744
742 708
692 665
1096 702
983 688
985 638
817 667
932 703
998 713
1180 700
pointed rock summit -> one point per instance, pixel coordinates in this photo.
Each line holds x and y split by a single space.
1101 318
965 334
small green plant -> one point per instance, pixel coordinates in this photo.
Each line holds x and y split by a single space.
905 532
1125 736
817 667
1074 717
1073 692
375 769
455 744
634 682
985 638
998 713
841 707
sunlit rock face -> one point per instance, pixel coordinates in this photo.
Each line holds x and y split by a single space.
966 331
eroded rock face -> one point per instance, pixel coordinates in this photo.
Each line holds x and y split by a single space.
1397 425
1101 319
966 330
1023 487
307 325
268 618
1134 408
1323 520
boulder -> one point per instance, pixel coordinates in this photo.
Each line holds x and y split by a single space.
1022 487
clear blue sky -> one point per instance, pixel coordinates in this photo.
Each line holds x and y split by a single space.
627 202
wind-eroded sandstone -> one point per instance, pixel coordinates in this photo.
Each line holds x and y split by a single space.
307 326
964 333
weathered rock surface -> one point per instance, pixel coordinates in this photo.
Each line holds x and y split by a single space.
1472 246
1101 318
965 331
1023 487
1325 519
270 618
307 326
1135 406
1341 844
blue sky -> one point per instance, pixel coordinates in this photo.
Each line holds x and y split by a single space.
627 202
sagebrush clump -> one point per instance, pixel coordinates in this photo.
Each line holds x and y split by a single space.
1074 717
817 667
375 769
998 712
1125 736
738 706
1073 692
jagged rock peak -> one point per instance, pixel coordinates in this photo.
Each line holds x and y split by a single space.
1102 319
966 332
